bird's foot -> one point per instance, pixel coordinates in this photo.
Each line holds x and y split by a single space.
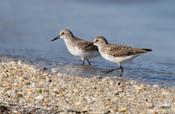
109 71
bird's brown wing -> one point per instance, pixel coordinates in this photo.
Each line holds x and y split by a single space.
86 45
122 50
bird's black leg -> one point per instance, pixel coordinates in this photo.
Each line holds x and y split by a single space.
88 61
121 70
106 72
83 62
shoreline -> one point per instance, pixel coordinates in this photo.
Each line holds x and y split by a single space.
25 88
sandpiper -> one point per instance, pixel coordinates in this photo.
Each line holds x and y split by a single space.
117 53
78 47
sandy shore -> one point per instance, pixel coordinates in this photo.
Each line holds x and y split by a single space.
30 90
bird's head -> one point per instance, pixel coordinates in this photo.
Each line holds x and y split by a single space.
64 34
100 40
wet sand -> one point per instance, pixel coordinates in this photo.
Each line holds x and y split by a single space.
24 88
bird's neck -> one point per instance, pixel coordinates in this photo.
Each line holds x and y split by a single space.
69 41
102 47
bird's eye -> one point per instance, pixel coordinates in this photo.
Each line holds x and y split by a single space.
96 41
62 33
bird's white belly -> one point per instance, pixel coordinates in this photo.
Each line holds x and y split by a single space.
83 54
119 60
75 51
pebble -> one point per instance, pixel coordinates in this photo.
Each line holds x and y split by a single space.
39 97
27 87
122 109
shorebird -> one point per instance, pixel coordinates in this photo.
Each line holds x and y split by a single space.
78 47
117 53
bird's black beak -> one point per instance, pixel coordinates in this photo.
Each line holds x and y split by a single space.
55 39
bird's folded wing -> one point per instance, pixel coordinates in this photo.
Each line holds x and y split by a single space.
121 50
88 46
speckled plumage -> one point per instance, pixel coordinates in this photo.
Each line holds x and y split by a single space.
117 53
78 47
84 45
118 50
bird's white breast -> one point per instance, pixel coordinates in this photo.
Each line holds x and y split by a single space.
74 50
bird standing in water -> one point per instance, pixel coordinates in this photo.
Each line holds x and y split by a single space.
78 47
117 53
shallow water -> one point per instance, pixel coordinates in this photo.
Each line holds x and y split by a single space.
26 28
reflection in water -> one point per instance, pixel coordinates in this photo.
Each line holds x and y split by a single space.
28 26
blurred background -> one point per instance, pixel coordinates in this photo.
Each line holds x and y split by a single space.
27 26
